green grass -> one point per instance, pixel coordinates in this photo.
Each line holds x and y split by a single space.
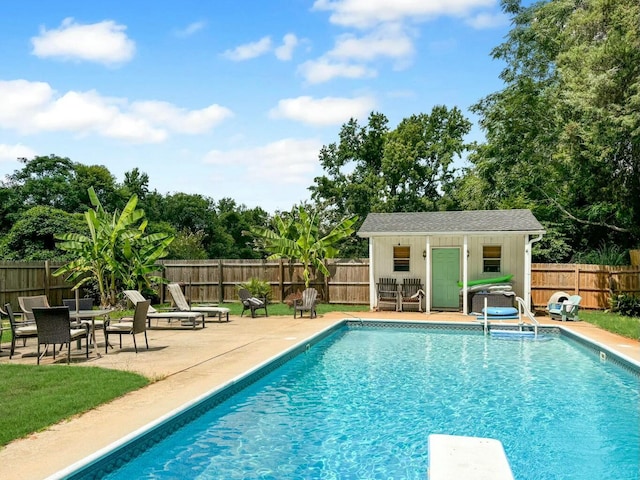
277 309
612 322
34 397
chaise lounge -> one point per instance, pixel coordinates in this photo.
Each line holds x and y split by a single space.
185 318
183 306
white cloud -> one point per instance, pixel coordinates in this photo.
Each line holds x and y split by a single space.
104 42
367 13
249 50
323 70
323 111
389 41
287 161
33 107
191 29
180 119
285 51
13 152
486 20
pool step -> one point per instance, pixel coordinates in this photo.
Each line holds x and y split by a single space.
467 458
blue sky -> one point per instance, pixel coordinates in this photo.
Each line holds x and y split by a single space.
230 98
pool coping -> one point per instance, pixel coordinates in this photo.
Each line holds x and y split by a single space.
103 460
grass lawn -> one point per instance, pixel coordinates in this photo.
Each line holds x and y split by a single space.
626 326
35 397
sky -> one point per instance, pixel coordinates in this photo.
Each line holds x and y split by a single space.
231 98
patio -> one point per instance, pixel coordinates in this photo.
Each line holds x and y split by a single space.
187 364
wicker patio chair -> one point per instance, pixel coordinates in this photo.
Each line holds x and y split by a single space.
27 304
54 327
123 327
85 304
19 330
307 303
251 303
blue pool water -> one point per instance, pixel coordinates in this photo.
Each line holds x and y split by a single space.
361 404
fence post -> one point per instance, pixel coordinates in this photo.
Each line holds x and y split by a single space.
47 272
281 279
220 282
326 288
576 290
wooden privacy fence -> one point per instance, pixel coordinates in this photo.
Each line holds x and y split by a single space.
594 283
216 280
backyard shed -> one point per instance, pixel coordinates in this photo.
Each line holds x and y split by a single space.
448 250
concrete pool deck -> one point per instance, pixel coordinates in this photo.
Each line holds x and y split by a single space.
186 364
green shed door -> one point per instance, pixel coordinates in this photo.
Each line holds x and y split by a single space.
445 273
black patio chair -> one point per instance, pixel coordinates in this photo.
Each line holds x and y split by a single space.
19 330
54 327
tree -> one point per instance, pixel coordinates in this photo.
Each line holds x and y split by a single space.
563 136
116 252
45 181
32 236
373 169
297 237
417 162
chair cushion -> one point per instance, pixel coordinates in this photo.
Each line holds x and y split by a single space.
27 330
78 332
124 327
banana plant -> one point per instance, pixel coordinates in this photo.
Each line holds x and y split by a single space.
115 253
297 237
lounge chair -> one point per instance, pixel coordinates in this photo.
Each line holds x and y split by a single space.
567 310
411 293
54 327
251 303
124 327
19 330
183 306
185 318
27 304
306 304
388 293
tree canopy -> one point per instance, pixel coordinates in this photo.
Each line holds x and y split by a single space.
563 136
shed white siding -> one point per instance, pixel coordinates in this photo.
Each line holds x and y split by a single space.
512 256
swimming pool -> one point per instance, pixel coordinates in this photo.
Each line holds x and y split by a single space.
362 402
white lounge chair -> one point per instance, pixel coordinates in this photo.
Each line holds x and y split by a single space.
185 318
183 306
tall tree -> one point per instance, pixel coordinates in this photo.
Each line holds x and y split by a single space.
563 136
32 236
418 159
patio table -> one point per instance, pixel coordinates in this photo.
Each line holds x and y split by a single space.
89 317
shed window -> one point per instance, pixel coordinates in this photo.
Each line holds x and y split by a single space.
401 257
491 258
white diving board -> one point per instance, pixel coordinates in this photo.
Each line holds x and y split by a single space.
467 458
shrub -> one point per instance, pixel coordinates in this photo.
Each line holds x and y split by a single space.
258 288
625 304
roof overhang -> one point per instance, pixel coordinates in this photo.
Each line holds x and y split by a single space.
451 233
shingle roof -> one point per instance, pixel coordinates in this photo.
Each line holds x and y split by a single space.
458 222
